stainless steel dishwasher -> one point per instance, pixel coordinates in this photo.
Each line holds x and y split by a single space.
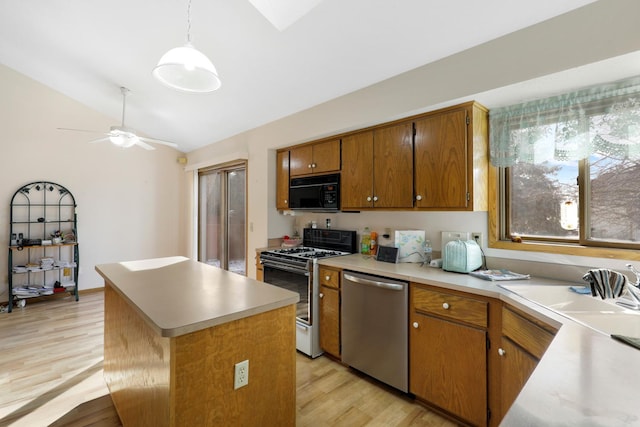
374 327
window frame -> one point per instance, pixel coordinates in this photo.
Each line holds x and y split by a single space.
496 231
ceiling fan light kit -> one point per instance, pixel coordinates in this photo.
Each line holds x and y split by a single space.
123 136
187 69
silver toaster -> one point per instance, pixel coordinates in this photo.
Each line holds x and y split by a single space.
461 256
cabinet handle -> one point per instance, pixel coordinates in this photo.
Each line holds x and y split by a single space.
375 198
321 295
415 325
501 352
445 305
368 198
286 202
327 278
309 165
418 197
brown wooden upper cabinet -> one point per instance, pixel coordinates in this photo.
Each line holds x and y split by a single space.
377 168
451 159
321 157
282 180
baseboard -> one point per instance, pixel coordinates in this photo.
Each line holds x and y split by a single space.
60 295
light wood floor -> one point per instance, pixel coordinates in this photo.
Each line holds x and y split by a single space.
51 375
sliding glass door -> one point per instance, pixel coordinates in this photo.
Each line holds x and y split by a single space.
222 217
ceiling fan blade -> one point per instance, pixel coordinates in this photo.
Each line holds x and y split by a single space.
98 140
82 130
159 141
144 145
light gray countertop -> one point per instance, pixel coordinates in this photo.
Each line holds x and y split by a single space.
585 378
177 295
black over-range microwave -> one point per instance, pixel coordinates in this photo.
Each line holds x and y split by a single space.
319 193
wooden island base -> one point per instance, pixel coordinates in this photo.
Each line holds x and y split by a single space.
188 380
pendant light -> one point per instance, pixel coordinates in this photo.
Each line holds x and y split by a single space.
186 68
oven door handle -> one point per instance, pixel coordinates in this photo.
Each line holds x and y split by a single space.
285 267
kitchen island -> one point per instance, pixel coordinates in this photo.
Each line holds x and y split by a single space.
583 378
174 331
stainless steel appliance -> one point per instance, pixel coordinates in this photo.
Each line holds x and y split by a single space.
316 193
374 327
296 269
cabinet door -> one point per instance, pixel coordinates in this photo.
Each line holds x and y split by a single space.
301 160
448 366
356 186
393 166
516 366
282 180
329 277
326 156
330 320
321 157
259 268
441 159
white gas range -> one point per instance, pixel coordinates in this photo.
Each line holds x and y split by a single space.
295 269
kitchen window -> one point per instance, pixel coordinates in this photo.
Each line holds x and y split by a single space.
568 171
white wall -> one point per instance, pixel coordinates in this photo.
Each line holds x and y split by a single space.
131 203
597 32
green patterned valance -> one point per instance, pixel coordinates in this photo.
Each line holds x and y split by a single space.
602 119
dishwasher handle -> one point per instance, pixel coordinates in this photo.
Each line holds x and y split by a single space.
369 282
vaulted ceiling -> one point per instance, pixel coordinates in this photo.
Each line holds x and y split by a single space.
88 49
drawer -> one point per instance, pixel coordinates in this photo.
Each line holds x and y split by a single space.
329 277
526 333
451 306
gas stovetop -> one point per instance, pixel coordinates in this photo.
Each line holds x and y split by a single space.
317 243
304 252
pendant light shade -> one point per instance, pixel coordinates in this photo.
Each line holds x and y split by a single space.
186 68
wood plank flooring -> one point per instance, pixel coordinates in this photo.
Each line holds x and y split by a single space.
51 375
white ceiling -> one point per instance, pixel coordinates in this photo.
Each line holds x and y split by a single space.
88 49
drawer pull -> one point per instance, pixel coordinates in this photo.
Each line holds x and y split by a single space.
327 278
445 305
415 325
321 295
501 352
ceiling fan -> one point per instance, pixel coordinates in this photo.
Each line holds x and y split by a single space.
123 136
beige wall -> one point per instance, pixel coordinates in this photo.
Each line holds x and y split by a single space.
597 32
130 201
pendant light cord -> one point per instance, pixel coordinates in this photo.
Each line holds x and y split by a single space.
189 22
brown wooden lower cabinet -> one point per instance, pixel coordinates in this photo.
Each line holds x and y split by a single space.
524 341
448 352
448 365
329 307
515 369
259 268
330 320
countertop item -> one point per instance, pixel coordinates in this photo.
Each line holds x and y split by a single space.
584 378
177 295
